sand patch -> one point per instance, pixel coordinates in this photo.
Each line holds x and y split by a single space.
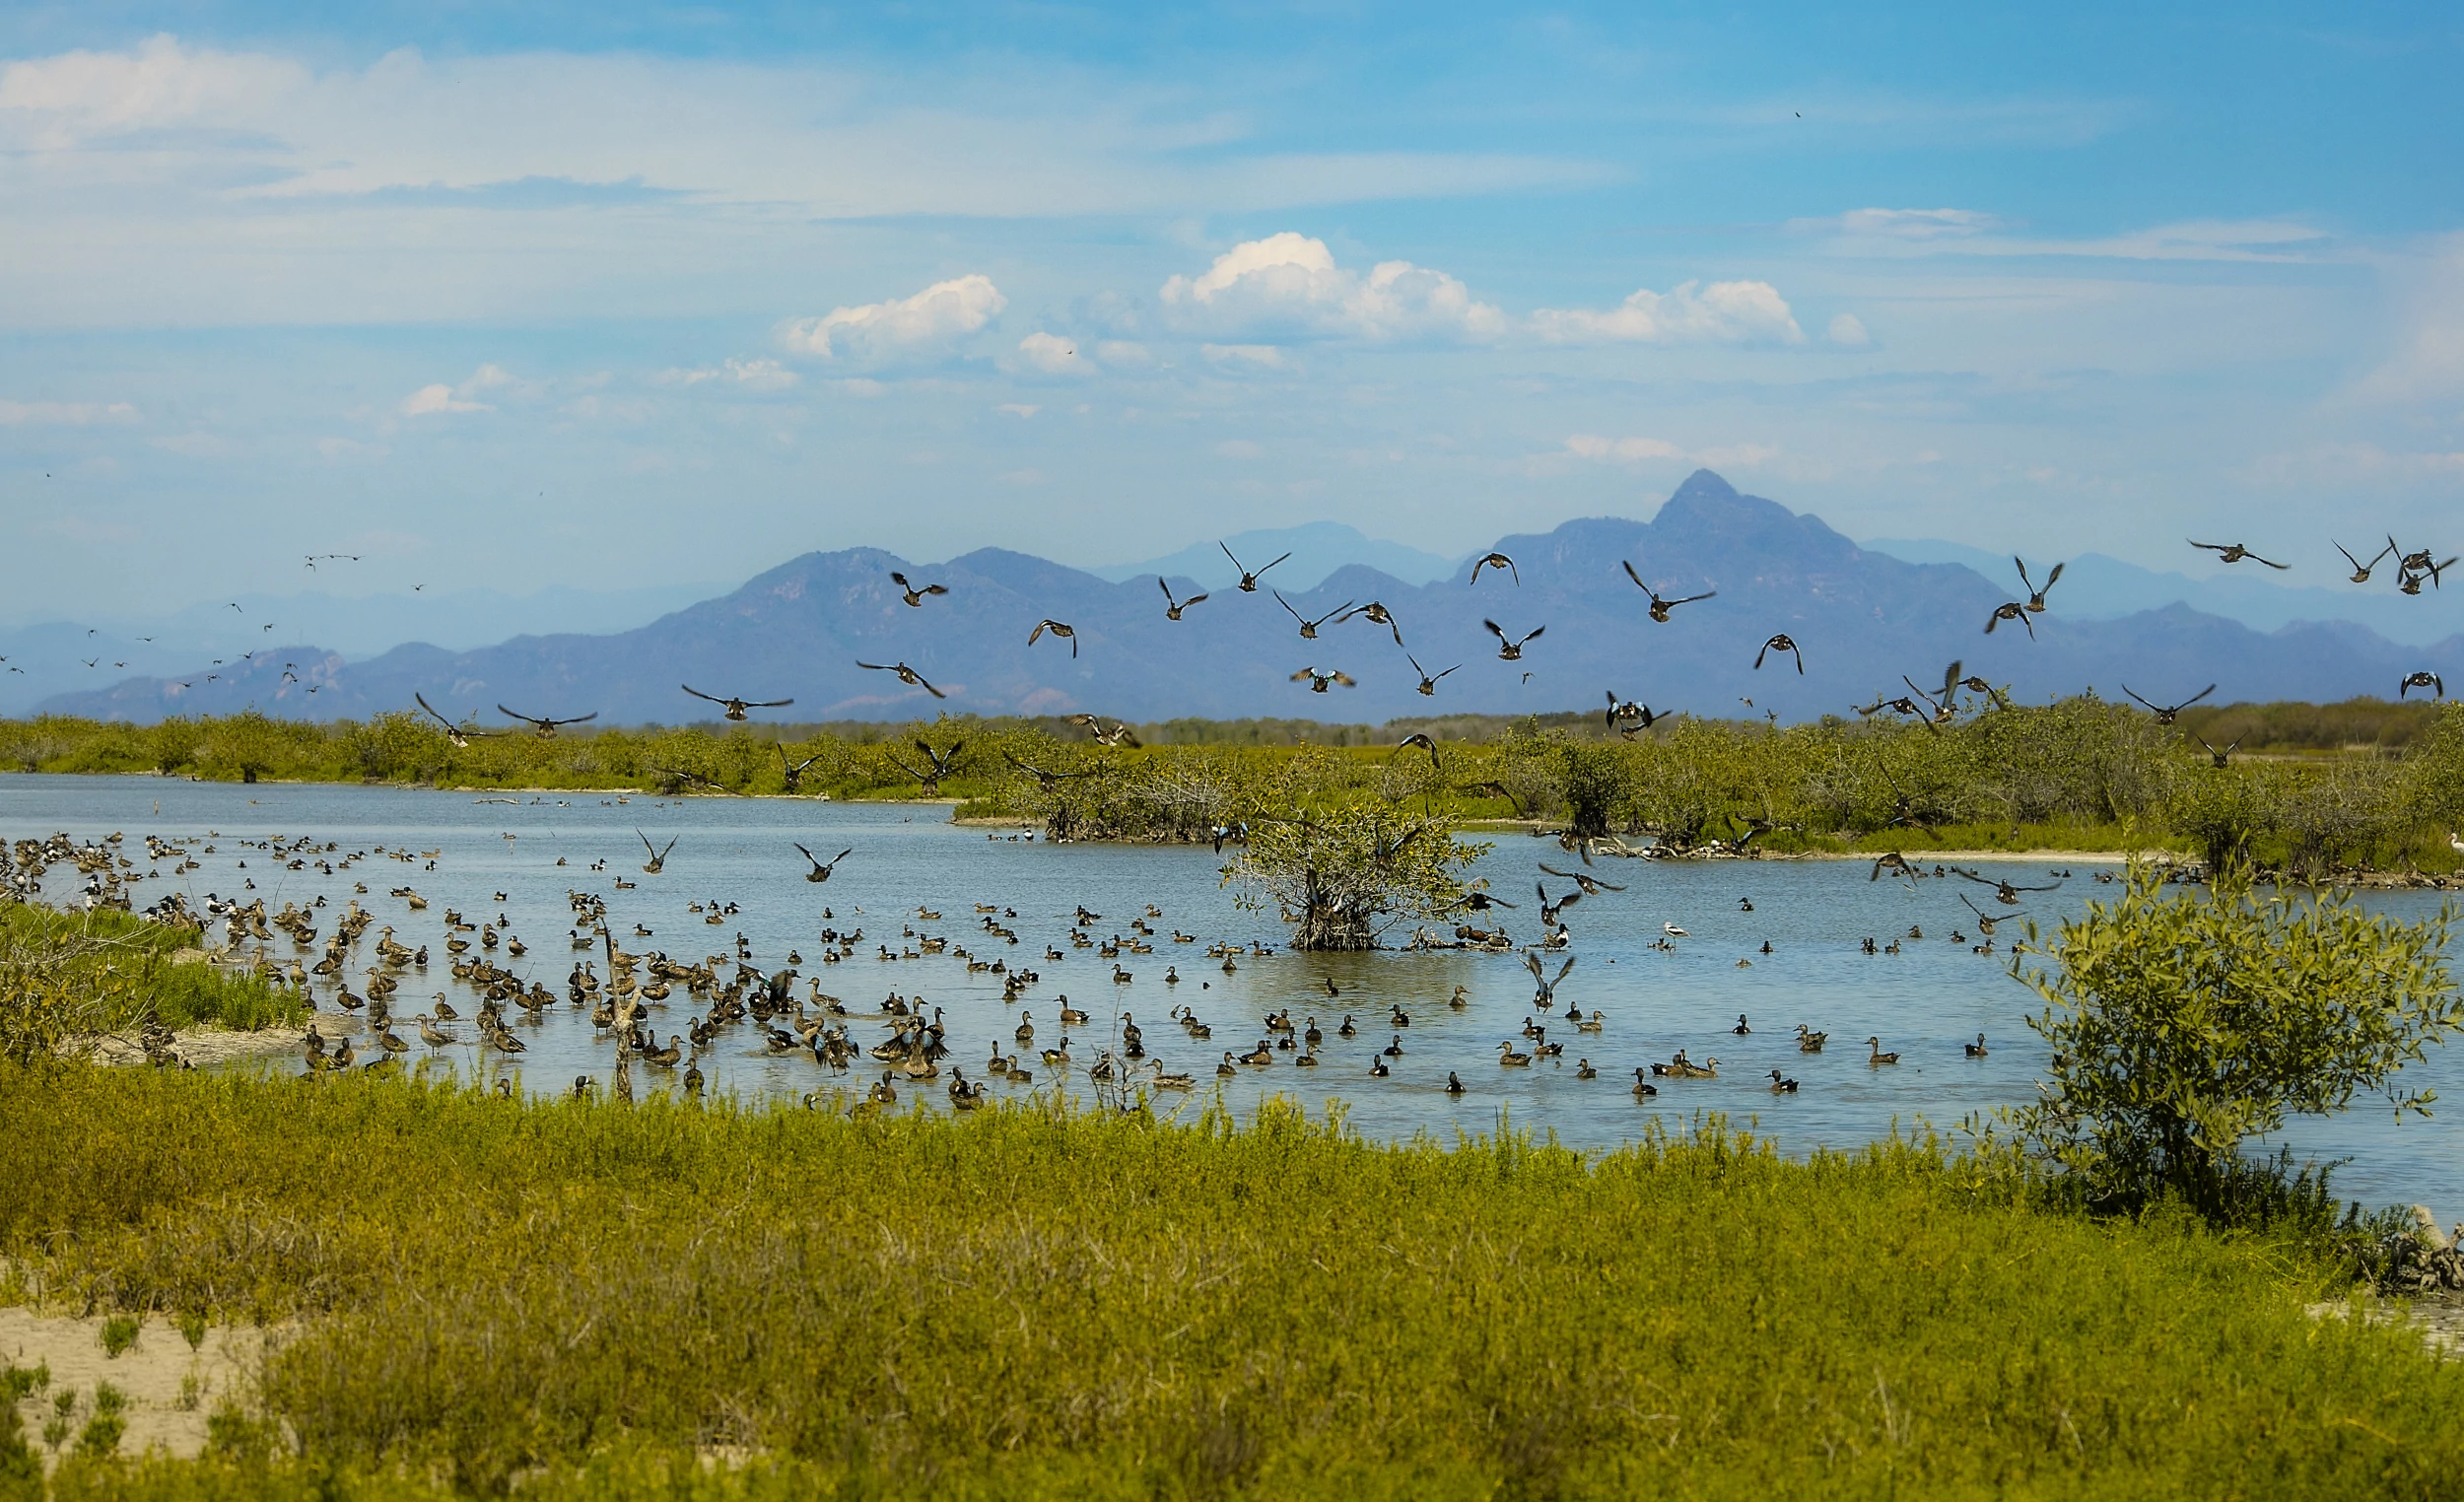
170 1388
204 1045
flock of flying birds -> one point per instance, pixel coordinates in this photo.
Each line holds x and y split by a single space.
1932 706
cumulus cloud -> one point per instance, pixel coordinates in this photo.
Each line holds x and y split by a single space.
439 399
1849 329
1054 354
759 375
932 319
428 402
1289 284
73 414
1724 313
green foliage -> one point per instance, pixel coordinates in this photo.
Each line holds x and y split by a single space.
119 1333
2080 771
578 1301
2182 1026
67 979
1347 870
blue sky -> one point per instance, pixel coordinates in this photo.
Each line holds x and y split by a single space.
605 295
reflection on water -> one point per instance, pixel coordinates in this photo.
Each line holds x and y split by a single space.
1656 993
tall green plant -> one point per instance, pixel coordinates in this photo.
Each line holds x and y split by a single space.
1346 869
2184 1025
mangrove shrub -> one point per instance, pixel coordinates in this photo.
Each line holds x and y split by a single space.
2183 1025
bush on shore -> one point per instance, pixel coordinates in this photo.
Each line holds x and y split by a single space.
2078 772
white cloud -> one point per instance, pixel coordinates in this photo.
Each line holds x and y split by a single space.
1123 354
1590 446
1289 284
1849 329
429 401
1724 313
1968 232
77 94
1266 356
759 375
1238 448
1634 451
1909 224
72 414
1019 408
439 398
933 317
1054 354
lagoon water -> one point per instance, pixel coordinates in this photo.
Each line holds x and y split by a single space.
1924 1003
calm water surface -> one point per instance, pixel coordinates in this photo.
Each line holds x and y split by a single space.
1924 1003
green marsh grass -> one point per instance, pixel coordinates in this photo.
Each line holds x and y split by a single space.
563 1299
127 964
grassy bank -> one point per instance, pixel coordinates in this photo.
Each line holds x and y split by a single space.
69 972
580 1300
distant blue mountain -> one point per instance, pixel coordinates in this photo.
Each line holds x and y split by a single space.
1861 619
1317 550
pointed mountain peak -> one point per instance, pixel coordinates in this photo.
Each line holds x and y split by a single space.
1704 485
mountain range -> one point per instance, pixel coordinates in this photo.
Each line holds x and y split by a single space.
1861 618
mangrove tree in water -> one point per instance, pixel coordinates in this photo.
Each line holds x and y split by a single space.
1347 868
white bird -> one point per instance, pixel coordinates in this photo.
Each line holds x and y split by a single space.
2455 844
1674 931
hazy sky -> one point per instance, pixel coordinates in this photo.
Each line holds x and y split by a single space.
603 295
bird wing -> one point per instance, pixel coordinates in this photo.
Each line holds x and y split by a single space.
1562 969
808 854
842 855
646 842
439 718
878 667
927 688
1533 961
1535 634
1495 630
2193 699
698 694
1344 679
1227 552
1689 599
2255 557
2126 688
671 844
899 580
1288 605
1038 632
768 703
519 715
1306 672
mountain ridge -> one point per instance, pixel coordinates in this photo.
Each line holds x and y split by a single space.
1862 618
